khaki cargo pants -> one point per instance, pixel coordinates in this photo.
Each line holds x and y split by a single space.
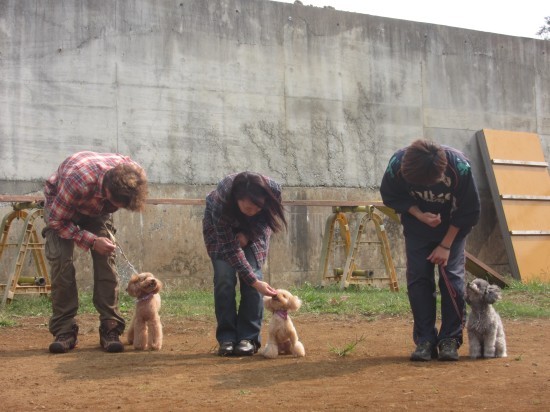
64 293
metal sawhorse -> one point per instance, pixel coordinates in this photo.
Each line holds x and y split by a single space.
27 240
350 274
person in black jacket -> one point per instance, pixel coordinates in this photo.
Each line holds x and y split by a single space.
431 186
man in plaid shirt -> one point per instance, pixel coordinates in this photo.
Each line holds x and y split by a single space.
240 216
80 199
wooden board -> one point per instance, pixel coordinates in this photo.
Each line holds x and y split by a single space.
200 202
520 187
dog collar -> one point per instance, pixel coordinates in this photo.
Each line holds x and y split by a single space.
145 297
283 314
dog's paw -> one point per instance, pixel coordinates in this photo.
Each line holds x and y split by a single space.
270 351
298 350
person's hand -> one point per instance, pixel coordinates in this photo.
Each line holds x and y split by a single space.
430 219
243 240
264 288
104 246
439 256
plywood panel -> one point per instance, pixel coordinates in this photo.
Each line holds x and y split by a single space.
522 180
527 248
533 255
508 145
527 215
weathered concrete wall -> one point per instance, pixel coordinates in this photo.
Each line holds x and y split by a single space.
316 98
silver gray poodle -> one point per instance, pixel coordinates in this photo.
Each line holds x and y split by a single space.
484 326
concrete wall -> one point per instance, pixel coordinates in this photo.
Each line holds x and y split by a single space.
193 89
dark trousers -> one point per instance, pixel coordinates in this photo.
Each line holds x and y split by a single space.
422 291
245 323
64 292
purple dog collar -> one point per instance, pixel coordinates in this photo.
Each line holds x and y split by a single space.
283 314
145 297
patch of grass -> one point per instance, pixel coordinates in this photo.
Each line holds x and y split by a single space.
5 321
355 300
346 350
520 300
525 300
188 303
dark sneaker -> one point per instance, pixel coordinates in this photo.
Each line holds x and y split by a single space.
424 352
109 336
64 342
245 348
448 350
226 349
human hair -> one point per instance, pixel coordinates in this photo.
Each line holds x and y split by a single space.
127 183
254 187
423 163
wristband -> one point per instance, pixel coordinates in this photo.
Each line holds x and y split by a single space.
444 247
93 243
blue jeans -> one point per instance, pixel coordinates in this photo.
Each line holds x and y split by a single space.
246 323
422 291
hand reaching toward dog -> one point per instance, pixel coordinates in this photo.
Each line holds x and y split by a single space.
264 288
103 246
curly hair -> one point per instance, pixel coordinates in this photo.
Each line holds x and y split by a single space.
127 183
423 163
253 186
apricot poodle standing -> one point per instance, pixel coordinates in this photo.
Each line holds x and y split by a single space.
145 330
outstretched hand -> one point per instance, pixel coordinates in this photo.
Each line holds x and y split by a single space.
264 288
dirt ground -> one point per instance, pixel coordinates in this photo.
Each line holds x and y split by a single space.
186 374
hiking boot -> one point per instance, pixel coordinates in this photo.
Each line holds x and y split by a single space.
109 336
64 342
424 352
448 350
226 348
245 348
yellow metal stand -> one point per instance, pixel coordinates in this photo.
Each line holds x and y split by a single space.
350 274
28 240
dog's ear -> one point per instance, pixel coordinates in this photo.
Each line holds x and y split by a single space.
131 288
294 303
492 294
160 285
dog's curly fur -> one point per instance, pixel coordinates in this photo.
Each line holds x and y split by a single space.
145 330
484 326
282 337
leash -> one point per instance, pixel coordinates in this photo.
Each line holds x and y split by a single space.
126 259
113 239
452 294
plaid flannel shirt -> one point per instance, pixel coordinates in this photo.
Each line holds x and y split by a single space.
220 235
76 189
